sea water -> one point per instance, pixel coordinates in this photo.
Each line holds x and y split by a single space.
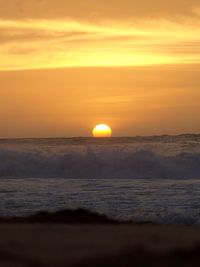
144 179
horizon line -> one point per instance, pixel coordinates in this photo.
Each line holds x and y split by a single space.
101 138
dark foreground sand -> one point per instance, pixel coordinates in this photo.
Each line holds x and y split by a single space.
44 244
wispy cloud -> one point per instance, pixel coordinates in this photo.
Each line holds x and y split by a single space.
51 43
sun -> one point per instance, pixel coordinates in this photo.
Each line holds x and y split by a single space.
102 130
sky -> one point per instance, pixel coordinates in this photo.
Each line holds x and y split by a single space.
67 65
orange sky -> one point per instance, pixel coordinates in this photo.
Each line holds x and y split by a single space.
68 65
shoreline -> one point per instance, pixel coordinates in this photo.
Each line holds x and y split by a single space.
79 216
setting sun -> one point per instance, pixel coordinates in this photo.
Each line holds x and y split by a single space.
102 130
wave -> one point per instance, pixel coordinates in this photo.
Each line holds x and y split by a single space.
101 164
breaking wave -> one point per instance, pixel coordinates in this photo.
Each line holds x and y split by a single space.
101 164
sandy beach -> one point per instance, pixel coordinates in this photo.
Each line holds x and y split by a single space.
57 245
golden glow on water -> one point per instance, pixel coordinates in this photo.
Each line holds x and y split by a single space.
102 130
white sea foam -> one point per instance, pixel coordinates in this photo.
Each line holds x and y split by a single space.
141 157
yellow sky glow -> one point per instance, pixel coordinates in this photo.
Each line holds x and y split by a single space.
66 66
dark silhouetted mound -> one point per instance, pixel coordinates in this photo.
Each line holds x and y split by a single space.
79 216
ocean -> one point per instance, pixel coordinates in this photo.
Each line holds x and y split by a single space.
143 179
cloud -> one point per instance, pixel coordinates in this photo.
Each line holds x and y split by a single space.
14 35
92 10
53 34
